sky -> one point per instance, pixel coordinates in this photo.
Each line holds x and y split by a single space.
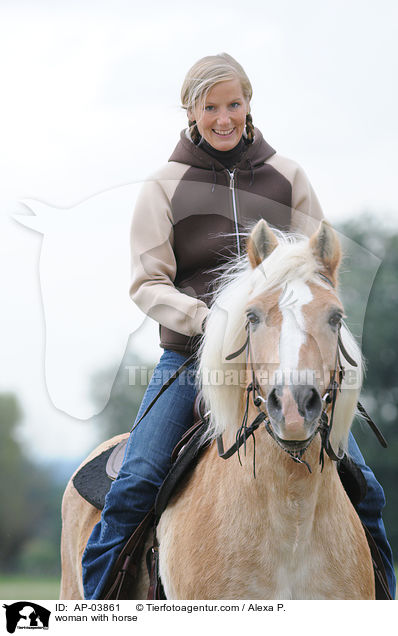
90 103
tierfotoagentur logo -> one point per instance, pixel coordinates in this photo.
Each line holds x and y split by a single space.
26 615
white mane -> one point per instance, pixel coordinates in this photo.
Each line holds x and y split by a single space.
223 382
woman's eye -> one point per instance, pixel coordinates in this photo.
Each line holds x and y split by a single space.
209 108
235 104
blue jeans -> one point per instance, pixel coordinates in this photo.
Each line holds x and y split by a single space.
146 462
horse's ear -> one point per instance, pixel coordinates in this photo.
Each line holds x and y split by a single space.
261 242
326 248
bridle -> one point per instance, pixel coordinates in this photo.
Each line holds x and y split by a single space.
325 420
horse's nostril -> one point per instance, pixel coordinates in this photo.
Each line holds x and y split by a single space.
312 403
274 405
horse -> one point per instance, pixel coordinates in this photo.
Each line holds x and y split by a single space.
273 521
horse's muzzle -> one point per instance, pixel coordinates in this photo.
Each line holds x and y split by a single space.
294 410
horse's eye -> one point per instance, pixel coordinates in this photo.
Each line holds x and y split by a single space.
335 319
253 318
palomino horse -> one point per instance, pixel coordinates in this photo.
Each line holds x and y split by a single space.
288 531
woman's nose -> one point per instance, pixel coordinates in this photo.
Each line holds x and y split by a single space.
223 117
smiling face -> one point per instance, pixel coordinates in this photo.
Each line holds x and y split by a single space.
221 119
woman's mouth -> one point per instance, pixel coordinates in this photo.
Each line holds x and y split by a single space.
223 133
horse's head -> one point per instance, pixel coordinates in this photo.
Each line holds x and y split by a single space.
294 326
289 304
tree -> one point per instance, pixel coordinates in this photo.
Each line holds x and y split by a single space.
380 348
27 494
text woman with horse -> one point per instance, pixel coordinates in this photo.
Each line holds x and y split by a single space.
190 219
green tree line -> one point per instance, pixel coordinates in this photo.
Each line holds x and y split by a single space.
380 350
29 502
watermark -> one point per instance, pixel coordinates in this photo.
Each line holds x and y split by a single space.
140 375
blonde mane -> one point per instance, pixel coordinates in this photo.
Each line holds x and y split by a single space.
224 382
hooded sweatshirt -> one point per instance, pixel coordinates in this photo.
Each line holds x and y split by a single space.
189 219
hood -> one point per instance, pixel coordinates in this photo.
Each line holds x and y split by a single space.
187 152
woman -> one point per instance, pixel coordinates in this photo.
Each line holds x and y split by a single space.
221 177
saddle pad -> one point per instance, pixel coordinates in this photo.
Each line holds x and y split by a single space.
92 481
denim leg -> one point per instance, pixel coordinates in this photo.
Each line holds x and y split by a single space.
369 511
145 465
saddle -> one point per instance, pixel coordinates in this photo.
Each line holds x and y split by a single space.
94 480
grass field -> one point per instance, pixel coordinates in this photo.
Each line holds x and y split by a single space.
22 588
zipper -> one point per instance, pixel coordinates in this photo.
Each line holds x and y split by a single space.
234 208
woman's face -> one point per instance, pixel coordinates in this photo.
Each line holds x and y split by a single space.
221 119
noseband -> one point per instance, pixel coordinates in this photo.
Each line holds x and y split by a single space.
325 420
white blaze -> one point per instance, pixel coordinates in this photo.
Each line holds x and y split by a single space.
295 295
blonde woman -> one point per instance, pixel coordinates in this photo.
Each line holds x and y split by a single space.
222 177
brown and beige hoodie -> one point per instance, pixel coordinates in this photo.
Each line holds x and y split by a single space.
188 220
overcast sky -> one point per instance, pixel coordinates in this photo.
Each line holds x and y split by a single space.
90 101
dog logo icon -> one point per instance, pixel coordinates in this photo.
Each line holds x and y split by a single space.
26 615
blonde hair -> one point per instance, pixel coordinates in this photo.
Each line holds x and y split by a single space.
207 72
